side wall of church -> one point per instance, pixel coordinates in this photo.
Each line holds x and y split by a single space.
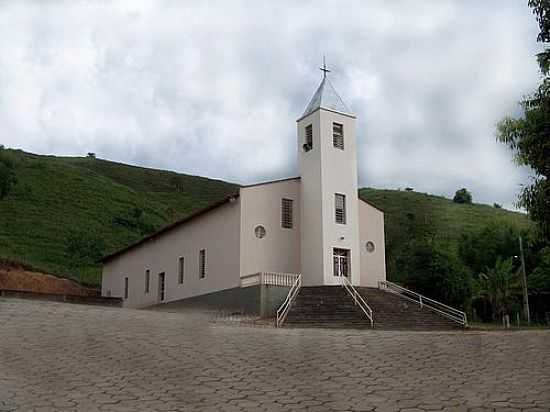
217 232
279 250
371 229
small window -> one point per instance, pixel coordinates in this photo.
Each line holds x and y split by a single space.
181 270
202 263
338 135
340 208
286 213
309 138
147 280
125 288
259 231
370 246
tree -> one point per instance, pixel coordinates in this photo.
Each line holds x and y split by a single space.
539 279
7 174
500 285
436 270
463 196
497 206
529 136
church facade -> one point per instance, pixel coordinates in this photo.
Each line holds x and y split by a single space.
314 225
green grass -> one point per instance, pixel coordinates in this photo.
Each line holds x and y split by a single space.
59 199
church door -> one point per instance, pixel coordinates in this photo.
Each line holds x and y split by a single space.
162 287
341 262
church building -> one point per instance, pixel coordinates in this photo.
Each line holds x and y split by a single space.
266 235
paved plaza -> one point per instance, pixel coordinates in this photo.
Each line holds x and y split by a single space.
63 357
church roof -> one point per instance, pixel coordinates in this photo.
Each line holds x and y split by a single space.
326 97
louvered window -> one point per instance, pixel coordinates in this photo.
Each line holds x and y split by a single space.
181 268
338 135
286 213
202 263
340 209
309 138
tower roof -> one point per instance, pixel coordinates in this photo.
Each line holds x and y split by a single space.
326 97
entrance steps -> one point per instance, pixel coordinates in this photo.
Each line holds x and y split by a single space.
333 307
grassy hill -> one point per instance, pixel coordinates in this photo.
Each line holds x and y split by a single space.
65 212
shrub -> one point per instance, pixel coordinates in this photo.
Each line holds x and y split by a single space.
463 196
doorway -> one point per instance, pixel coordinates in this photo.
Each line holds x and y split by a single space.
341 262
162 287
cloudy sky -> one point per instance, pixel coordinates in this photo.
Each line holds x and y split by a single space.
214 88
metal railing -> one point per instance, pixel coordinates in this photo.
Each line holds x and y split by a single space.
358 299
285 307
447 311
269 278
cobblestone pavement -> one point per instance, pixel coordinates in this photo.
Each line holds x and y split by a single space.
63 357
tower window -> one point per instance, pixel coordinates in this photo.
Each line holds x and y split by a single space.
340 208
286 213
147 280
309 138
181 267
202 263
338 135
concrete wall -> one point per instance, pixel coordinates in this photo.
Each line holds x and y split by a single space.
217 231
279 250
311 211
326 170
371 228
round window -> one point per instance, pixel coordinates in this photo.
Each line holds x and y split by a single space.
370 246
259 231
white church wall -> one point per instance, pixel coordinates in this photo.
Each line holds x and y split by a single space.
311 215
371 228
217 232
279 250
339 175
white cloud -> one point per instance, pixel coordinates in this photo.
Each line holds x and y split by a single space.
214 88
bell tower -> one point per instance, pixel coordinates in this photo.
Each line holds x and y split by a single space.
327 163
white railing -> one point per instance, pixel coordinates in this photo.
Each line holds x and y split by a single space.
358 299
449 312
285 307
269 278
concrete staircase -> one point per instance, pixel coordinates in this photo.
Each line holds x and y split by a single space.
333 307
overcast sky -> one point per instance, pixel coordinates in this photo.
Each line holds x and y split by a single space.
214 88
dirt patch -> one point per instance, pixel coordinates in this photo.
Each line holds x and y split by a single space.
17 277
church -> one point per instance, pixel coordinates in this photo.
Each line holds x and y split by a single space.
247 250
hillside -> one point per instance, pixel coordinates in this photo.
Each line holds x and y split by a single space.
66 212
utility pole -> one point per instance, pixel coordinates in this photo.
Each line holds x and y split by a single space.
524 282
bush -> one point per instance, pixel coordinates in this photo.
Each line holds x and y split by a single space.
7 174
463 196
436 271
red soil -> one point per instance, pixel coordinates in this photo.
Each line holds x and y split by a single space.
17 277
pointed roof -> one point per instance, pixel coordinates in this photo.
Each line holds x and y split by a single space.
326 97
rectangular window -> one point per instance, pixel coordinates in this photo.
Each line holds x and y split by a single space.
340 208
338 135
147 280
309 138
162 287
181 268
286 213
202 263
125 288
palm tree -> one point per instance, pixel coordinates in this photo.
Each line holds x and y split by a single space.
500 286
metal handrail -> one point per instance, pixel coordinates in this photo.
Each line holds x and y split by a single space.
445 310
285 307
358 299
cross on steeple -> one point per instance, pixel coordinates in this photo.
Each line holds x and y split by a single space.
324 68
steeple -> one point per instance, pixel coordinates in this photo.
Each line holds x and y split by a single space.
326 97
